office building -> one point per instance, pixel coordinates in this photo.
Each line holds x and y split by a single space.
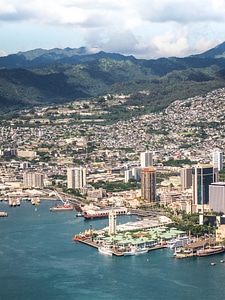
146 159
127 175
217 197
202 177
76 178
136 174
217 160
186 178
148 184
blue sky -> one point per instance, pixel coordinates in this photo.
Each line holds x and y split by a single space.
143 28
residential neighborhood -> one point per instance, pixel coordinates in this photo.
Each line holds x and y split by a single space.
49 140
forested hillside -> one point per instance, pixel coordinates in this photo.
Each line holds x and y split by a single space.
43 77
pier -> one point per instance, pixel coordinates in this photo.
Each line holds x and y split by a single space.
88 241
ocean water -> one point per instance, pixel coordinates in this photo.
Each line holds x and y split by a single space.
40 261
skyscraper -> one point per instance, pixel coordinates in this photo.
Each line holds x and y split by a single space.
186 178
148 184
217 160
76 178
202 177
146 159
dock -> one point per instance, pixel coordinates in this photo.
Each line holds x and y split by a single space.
88 241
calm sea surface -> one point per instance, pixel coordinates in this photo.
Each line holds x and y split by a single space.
40 260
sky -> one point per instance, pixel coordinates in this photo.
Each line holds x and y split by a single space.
143 28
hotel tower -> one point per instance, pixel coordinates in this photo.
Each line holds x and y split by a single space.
148 184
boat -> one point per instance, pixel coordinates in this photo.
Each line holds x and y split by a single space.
76 238
178 242
210 251
79 214
135 251
105 250
3 214
103 213
65 206
183 252
35 201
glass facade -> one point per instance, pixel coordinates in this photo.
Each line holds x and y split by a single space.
204 176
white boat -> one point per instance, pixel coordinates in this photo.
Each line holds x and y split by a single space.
135 251
79 214
3 214
105 250
178 242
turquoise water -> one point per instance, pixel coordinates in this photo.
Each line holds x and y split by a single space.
40 260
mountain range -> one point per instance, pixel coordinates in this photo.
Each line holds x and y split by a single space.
44 77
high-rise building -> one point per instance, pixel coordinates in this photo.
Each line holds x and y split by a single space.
76 178
127 175
217 197
186 178
112 222
146 159
202 177
148 184
217 160
33 179
136 173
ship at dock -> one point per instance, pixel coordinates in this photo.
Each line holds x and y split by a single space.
210 251
65 206
104 213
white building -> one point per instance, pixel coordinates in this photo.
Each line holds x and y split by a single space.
112 222
127 175
76 178
146 159
217 160
217 197
33 179
136 173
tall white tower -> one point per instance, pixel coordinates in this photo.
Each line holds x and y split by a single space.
76 178
217 160
146 159
112 222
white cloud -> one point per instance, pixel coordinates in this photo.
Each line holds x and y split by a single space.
143 28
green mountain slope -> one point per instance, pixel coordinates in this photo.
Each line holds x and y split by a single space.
165 79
